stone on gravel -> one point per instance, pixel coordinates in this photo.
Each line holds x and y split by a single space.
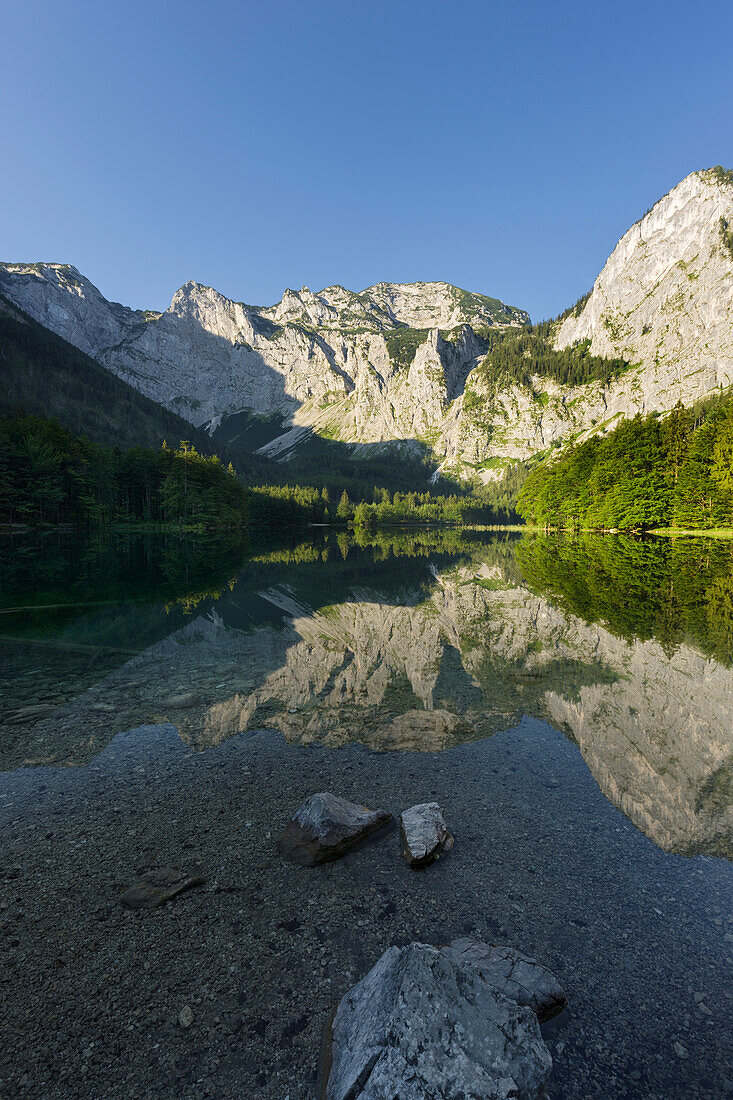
326 826
421 1024
515 975
186 699
157 887
185 1016
424 834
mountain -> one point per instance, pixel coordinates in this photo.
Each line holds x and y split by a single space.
46 376
442 370
384 364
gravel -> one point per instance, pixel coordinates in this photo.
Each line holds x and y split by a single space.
225 990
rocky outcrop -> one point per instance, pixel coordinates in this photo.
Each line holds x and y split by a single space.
664 299
421 1023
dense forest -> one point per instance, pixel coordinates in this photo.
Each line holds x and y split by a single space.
650 472
374 507
48 475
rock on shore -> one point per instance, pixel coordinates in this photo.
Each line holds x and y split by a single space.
326 827
424 1023
424 834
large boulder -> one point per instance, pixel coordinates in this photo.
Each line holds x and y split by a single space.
424 834
326 826
423 1024
515 975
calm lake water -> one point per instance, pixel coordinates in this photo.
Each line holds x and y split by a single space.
164 701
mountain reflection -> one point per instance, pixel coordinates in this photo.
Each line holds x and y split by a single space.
419 643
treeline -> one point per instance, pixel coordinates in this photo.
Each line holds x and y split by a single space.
49 476
292 504
675 471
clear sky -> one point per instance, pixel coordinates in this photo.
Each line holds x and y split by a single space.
503 147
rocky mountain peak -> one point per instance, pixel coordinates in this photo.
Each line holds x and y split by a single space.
665 295
403 361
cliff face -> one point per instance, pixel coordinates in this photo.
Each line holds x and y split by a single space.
363 367
665 297
399 361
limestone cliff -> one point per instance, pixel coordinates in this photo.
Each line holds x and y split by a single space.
403 361
381 365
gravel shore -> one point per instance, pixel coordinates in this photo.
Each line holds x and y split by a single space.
225 991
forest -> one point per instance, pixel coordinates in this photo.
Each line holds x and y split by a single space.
650 472
49 476
375 507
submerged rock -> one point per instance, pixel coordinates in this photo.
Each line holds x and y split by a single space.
182 701
424 834
326 826
515 975
422 1024
157 887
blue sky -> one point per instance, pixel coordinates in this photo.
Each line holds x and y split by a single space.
503 147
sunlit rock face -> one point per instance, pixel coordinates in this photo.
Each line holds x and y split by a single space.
399 361
665 297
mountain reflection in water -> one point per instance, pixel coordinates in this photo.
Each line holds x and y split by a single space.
412 642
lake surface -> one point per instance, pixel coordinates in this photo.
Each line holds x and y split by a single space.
171 702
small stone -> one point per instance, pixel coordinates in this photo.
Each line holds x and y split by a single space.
326 827
180 702
424 834
680 1051
157 887
185 1016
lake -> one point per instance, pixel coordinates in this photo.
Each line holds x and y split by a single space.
172 701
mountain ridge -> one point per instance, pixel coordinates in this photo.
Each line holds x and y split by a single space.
415 363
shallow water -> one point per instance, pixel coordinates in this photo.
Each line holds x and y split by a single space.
570 704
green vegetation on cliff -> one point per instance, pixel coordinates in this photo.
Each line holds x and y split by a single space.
519 356
649 472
